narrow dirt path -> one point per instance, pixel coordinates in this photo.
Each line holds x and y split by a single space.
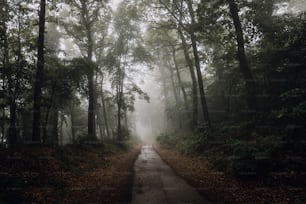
155 182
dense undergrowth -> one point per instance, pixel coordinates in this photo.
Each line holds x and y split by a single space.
72 174
269 145
241 164
257 159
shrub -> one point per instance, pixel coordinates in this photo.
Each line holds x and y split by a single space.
166 139
290 119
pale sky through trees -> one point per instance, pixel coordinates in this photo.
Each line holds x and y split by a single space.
114 3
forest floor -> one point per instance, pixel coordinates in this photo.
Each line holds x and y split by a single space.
222 188
70 174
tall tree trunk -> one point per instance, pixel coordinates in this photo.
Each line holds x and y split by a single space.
104 111
12 133
244 67
3 125
98 110
126 120
91 112
12 126
119 103
39 75
165 92
3 110
48 112
61 131
120 109
193 78
5 67
45 130
100 122
173 85
119 119
179 79
186 53
197 65
91 87
178 113
3 104
55 128
72 120
14 88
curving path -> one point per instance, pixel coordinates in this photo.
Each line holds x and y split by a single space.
156 183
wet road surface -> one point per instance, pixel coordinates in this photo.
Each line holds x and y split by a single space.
156 183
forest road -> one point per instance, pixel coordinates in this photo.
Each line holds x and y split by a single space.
156 183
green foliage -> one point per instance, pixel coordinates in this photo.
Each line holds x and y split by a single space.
166 140
290 118
77 72
141 54
198 141
243 161
293 107
133 140
89 140
128 142
125 133
189 143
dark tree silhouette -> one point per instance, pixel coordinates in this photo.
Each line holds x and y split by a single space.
36 137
